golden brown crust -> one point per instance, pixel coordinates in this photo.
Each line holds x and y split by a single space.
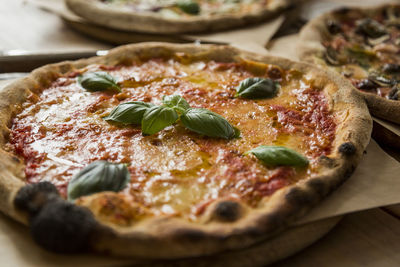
310 49
383 108
115 18
166 237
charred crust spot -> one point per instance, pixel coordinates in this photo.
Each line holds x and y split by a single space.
190 235
62 227
32 197
227 211
347 149
318 186
326 161
254 232
298 197
349 172
274 220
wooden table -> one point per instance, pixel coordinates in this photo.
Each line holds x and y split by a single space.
368 238
23 26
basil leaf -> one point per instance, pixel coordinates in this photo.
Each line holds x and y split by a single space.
279 155
157 118
97 177
176 102
98 81
253 88
237 132
208 123
129 112
189 6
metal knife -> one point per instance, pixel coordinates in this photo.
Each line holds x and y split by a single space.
25 61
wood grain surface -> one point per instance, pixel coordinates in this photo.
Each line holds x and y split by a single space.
365 239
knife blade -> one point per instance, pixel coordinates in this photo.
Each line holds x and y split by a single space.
26 61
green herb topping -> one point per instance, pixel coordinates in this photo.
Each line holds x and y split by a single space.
206 122
279 156
98 81
97 177
254 88
189 7
155 118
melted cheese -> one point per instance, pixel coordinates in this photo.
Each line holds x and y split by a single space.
176 171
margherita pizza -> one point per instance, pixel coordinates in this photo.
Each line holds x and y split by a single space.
176 16
169 151
364 46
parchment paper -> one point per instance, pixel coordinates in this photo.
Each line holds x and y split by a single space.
259 34
375 183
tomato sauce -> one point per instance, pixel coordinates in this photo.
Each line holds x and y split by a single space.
175 171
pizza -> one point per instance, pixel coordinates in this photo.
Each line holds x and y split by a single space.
169 151
362 45
176 16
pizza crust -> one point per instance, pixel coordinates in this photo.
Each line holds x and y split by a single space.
165 237
148 22
310 50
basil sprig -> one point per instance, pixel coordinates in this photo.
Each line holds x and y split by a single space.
97 177
279 156
206 122
255 88
189 6
98 81
129 112
155 118
176 102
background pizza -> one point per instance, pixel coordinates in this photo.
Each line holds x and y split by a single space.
182 16
362 45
